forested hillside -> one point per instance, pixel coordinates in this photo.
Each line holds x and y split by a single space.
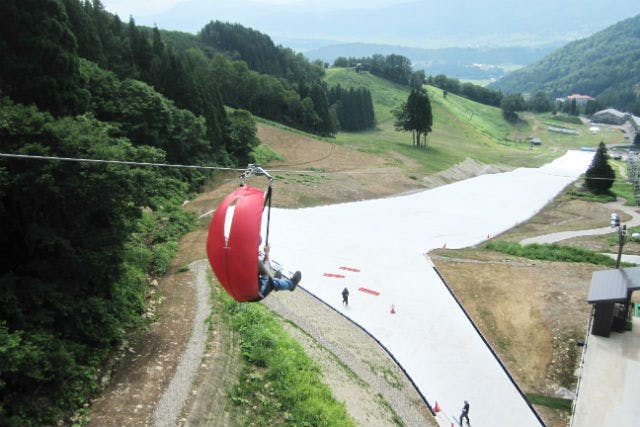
81 240
605 65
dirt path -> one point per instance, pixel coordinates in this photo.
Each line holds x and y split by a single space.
148 359
617 206
170 405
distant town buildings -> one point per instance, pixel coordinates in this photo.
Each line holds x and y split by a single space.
610 116
629 124
581 100
631 128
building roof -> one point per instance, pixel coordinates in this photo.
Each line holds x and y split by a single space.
611 111
613 285
578 96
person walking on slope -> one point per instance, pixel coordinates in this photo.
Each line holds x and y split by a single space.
465 413
345 296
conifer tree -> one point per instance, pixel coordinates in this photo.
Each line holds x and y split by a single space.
600 175
39 63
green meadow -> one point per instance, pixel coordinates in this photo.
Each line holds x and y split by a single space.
461 129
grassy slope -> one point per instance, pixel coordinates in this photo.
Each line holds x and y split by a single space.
461 129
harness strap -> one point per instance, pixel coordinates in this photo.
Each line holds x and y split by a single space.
267 202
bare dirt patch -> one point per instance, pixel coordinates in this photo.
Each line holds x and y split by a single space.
354 175
149 358
565 213
463 170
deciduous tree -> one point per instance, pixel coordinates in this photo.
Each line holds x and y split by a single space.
415 116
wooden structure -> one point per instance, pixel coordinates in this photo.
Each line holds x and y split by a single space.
610 293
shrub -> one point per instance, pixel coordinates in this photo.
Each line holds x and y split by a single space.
551 252
278 384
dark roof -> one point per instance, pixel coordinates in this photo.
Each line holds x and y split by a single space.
613 285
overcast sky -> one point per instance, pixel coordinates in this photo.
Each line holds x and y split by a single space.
125 8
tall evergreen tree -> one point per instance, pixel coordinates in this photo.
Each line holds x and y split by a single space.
81 22
38 60
321 106
141 51
600 175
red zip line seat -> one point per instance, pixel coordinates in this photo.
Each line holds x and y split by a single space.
234 256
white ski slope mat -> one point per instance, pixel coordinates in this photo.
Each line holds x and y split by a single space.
377 249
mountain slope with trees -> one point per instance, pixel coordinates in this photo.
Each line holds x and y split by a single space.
605 66
83 239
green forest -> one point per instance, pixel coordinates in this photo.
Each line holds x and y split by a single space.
604 65
81 239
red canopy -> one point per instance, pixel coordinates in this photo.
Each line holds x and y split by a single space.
234 258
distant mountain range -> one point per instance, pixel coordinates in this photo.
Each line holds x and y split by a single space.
462 63
426 23
459 38
605 65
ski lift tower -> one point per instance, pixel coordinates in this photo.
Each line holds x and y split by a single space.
633 172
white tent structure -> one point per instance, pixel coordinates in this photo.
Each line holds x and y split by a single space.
377 248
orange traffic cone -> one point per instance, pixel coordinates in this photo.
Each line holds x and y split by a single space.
393 309
436 408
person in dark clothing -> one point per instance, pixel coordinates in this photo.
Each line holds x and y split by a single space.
465 413
267 282
345 296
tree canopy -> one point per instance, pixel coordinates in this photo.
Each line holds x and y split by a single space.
396 68
468 90
415 116
510 106
353 108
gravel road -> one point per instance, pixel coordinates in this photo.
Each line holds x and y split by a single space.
169 407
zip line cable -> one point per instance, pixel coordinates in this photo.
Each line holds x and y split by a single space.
168 165
116 162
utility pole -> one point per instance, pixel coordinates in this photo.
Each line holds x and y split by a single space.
622 236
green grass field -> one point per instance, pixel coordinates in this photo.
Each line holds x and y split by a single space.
461 129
